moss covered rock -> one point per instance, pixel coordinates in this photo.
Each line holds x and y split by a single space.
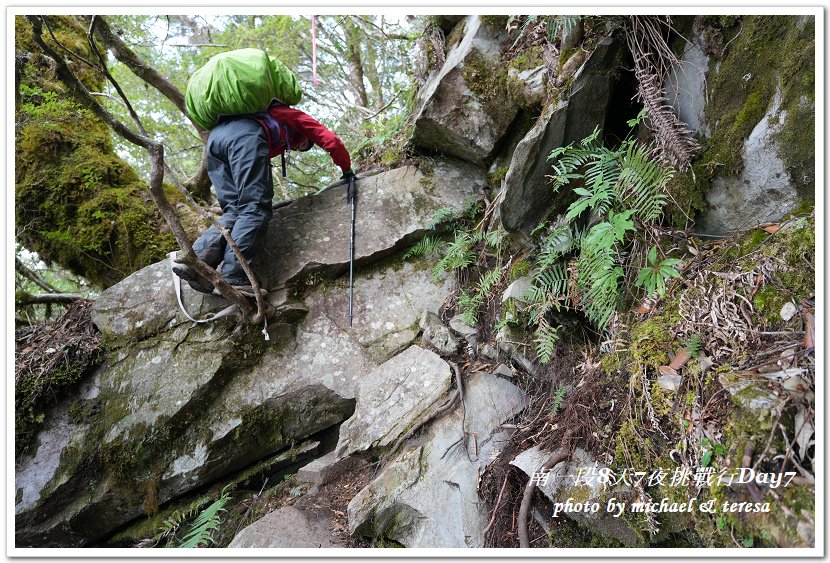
464 109
758 162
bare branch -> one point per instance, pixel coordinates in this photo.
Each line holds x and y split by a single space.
22 298
32 276
200 183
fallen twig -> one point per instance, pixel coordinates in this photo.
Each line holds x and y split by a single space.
495 511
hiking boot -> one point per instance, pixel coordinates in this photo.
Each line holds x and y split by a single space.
193 278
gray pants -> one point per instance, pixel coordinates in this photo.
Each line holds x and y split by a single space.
240 170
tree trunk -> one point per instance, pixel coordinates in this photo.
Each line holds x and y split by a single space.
355 63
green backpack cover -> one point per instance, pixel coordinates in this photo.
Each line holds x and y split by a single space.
238 83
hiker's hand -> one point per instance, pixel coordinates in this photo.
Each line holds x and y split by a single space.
348 176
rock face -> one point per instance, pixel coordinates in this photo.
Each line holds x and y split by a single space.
427 495
393 397
754 110
686 88
463 110
287 527
178 406
392 211
528 196
762 192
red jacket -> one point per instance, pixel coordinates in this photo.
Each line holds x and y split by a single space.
302 126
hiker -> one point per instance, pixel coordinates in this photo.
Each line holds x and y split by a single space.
240 149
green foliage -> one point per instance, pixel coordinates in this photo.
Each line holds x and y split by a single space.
469 245
458 254
201 530
203 523
654 276
43 105
425 247
443 215
470 303
545 339
582 267
692 345
558 399
710 449
551 25
77 203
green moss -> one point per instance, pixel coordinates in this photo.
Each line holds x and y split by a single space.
565 533
35 393
496 23
498 175
792 251
771 53
76 202
685 196
519 269
528 59
488 84
651 342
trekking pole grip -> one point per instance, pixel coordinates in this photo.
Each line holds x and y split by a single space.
352 192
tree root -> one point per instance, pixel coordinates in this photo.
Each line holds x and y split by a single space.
524 509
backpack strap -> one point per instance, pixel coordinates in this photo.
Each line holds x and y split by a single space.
275 132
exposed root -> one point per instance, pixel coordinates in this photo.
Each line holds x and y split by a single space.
524 509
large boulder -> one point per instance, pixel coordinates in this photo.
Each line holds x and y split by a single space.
393 209
309 236
754 110
177 406
392 398
287 527
528 196
464 109
427 497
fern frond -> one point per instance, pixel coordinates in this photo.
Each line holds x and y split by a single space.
545 340
458 254
489 280
558 399
201 530
443 215
496 239
424 247
552 280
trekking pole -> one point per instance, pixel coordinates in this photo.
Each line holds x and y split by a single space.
350 198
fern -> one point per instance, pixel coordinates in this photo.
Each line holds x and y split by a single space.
201 530
617 187
545 340
558 399
425 247
458 254
496 239
692 345
470 303
443 215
